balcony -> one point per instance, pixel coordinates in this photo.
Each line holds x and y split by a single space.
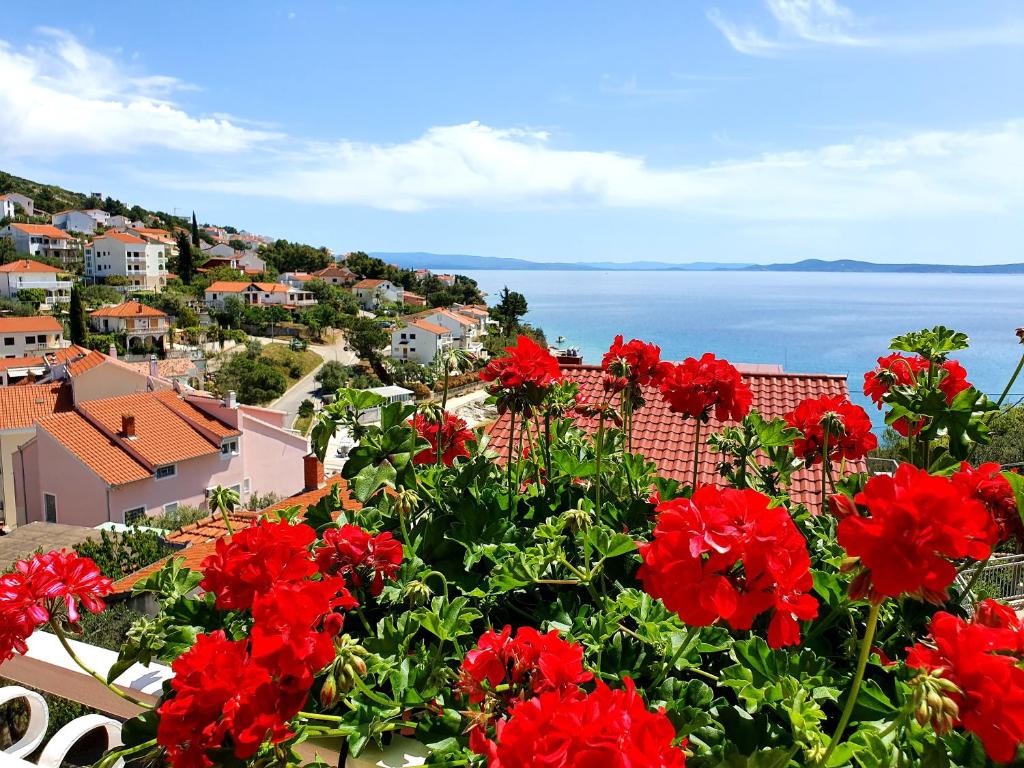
46 285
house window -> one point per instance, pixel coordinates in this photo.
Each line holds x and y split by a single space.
412 335
8 341
171 508
246 485
132 516
169 471
49 508
30 339
229 448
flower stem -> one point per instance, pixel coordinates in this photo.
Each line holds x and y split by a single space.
969 589
91 672
858 678
508 464
824 470
597 475
318 716
1009 384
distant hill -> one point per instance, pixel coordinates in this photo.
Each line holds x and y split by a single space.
850 265
424 260
438 261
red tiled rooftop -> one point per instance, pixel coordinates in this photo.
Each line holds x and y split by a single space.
91 360
425 325
668 440
42 230
37 361
29 265
22 406
94 449
369 283
43 323
123 237
128 309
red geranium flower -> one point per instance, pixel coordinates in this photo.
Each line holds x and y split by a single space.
726 555
605 729
453 435
527 366
695 388
255 559
984 664
848 427
987 485
530 662
636 362
359 556
907 370
43 587
915 525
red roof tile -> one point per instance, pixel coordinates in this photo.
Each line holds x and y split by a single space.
29 265
42 230
94 449
438 330
196 415
91 360
43 323
21 407
368 283
36 361
123 237
668 441
128 309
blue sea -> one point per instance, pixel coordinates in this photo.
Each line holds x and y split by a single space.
807 322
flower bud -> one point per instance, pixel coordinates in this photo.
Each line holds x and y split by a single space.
577 519
934 703
406 501
329 693
416 593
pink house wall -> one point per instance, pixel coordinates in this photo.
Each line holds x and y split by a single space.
81 495
273 457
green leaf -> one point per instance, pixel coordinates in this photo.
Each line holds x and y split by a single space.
1016 482
872 703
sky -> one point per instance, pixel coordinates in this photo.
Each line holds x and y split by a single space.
751 131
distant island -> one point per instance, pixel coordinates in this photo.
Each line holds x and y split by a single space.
437 261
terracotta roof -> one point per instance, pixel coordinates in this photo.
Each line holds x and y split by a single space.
196 415
22 406
28 265
460 319
200 538
369 283
123 237
232 286
44 230
664 438
160 438
153 231
335 272
94 449
471 310
37 361
428 326
91 360
129 309
28 324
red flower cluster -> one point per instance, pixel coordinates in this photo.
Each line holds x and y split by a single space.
725 555
527 367
695 388
361 557
256 558
915 525
250 689
987 485
45 587
982 659
897 370
848 427
635 361
604 729
529 662
450 430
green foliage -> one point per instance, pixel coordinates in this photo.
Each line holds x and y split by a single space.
186 259
509 310
103 341
367 338
76 322
7 251
285 256
120 554
98 294
1006 438
332 376
172 521
32 295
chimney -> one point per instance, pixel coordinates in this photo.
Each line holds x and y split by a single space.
231 399
312 473
112 352
128 426
152 366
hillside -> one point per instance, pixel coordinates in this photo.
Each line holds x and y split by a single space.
424 260
850 265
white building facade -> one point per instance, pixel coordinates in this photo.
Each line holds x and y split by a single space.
41 240
23 336
419 341
25 274
142 262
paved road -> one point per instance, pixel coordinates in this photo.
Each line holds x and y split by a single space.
306 387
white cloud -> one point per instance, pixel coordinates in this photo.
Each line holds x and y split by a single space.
929 174
805 23
62 98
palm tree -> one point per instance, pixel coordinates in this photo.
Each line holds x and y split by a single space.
448 360
224 500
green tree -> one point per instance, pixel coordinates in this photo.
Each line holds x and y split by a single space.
79 332
7 252
261 382
119 280
509 310
96 295
285 256
120 554
195 230
186 263
367 339
33 296
276 315
332 376
1007 433
238 245
232 313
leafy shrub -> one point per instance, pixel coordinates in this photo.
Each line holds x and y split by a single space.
120 554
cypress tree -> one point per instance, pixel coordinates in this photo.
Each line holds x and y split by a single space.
185 265
195 230
77 319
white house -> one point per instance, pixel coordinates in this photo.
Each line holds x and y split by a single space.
41 240
336 275
22 336
144 326
7 209
466 332
257 293
16 198
371 293
25 274
120 253
80 221
240 260
124 222
420 341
